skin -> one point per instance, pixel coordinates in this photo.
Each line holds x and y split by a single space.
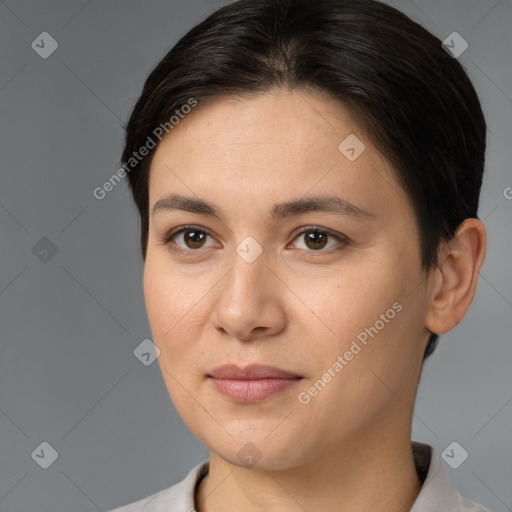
297 306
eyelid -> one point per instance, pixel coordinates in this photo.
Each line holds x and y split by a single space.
306 229
168 238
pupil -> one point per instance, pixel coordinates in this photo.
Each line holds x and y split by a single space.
318 239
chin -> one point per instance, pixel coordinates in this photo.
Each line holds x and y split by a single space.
260 453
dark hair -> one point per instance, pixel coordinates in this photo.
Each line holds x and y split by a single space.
407 93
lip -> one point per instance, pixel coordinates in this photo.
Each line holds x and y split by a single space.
252 383
250 372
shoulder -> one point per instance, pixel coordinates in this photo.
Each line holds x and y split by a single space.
179 497
471 506
437 492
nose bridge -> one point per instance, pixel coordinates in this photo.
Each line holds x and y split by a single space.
249 272
247 298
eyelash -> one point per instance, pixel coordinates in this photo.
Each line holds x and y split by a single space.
168 239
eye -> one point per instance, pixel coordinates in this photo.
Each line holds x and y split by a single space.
313 239
317 239
188 238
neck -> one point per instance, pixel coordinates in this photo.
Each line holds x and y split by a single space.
375 471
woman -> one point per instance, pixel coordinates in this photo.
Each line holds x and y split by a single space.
307 175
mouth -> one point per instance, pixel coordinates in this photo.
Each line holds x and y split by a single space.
253 383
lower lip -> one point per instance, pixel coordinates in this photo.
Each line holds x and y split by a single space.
252 390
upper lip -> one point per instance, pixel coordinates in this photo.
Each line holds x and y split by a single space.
250 372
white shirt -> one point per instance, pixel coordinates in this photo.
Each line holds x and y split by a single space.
437 493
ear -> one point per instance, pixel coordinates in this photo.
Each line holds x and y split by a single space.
455 279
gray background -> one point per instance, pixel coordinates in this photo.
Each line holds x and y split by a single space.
70 321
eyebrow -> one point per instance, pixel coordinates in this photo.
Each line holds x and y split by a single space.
323 203
327 204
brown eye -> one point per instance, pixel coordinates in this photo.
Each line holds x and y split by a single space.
194 239
316 239
189 237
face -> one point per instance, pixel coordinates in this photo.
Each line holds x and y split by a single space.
295 252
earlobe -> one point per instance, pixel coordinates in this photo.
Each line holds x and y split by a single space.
456 276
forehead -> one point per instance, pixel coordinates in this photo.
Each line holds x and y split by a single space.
278 119
262 147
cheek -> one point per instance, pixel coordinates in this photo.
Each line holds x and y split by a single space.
170 300
173 306
367 313
173 309
351 298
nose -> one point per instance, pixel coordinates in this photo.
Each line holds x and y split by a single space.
249 304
